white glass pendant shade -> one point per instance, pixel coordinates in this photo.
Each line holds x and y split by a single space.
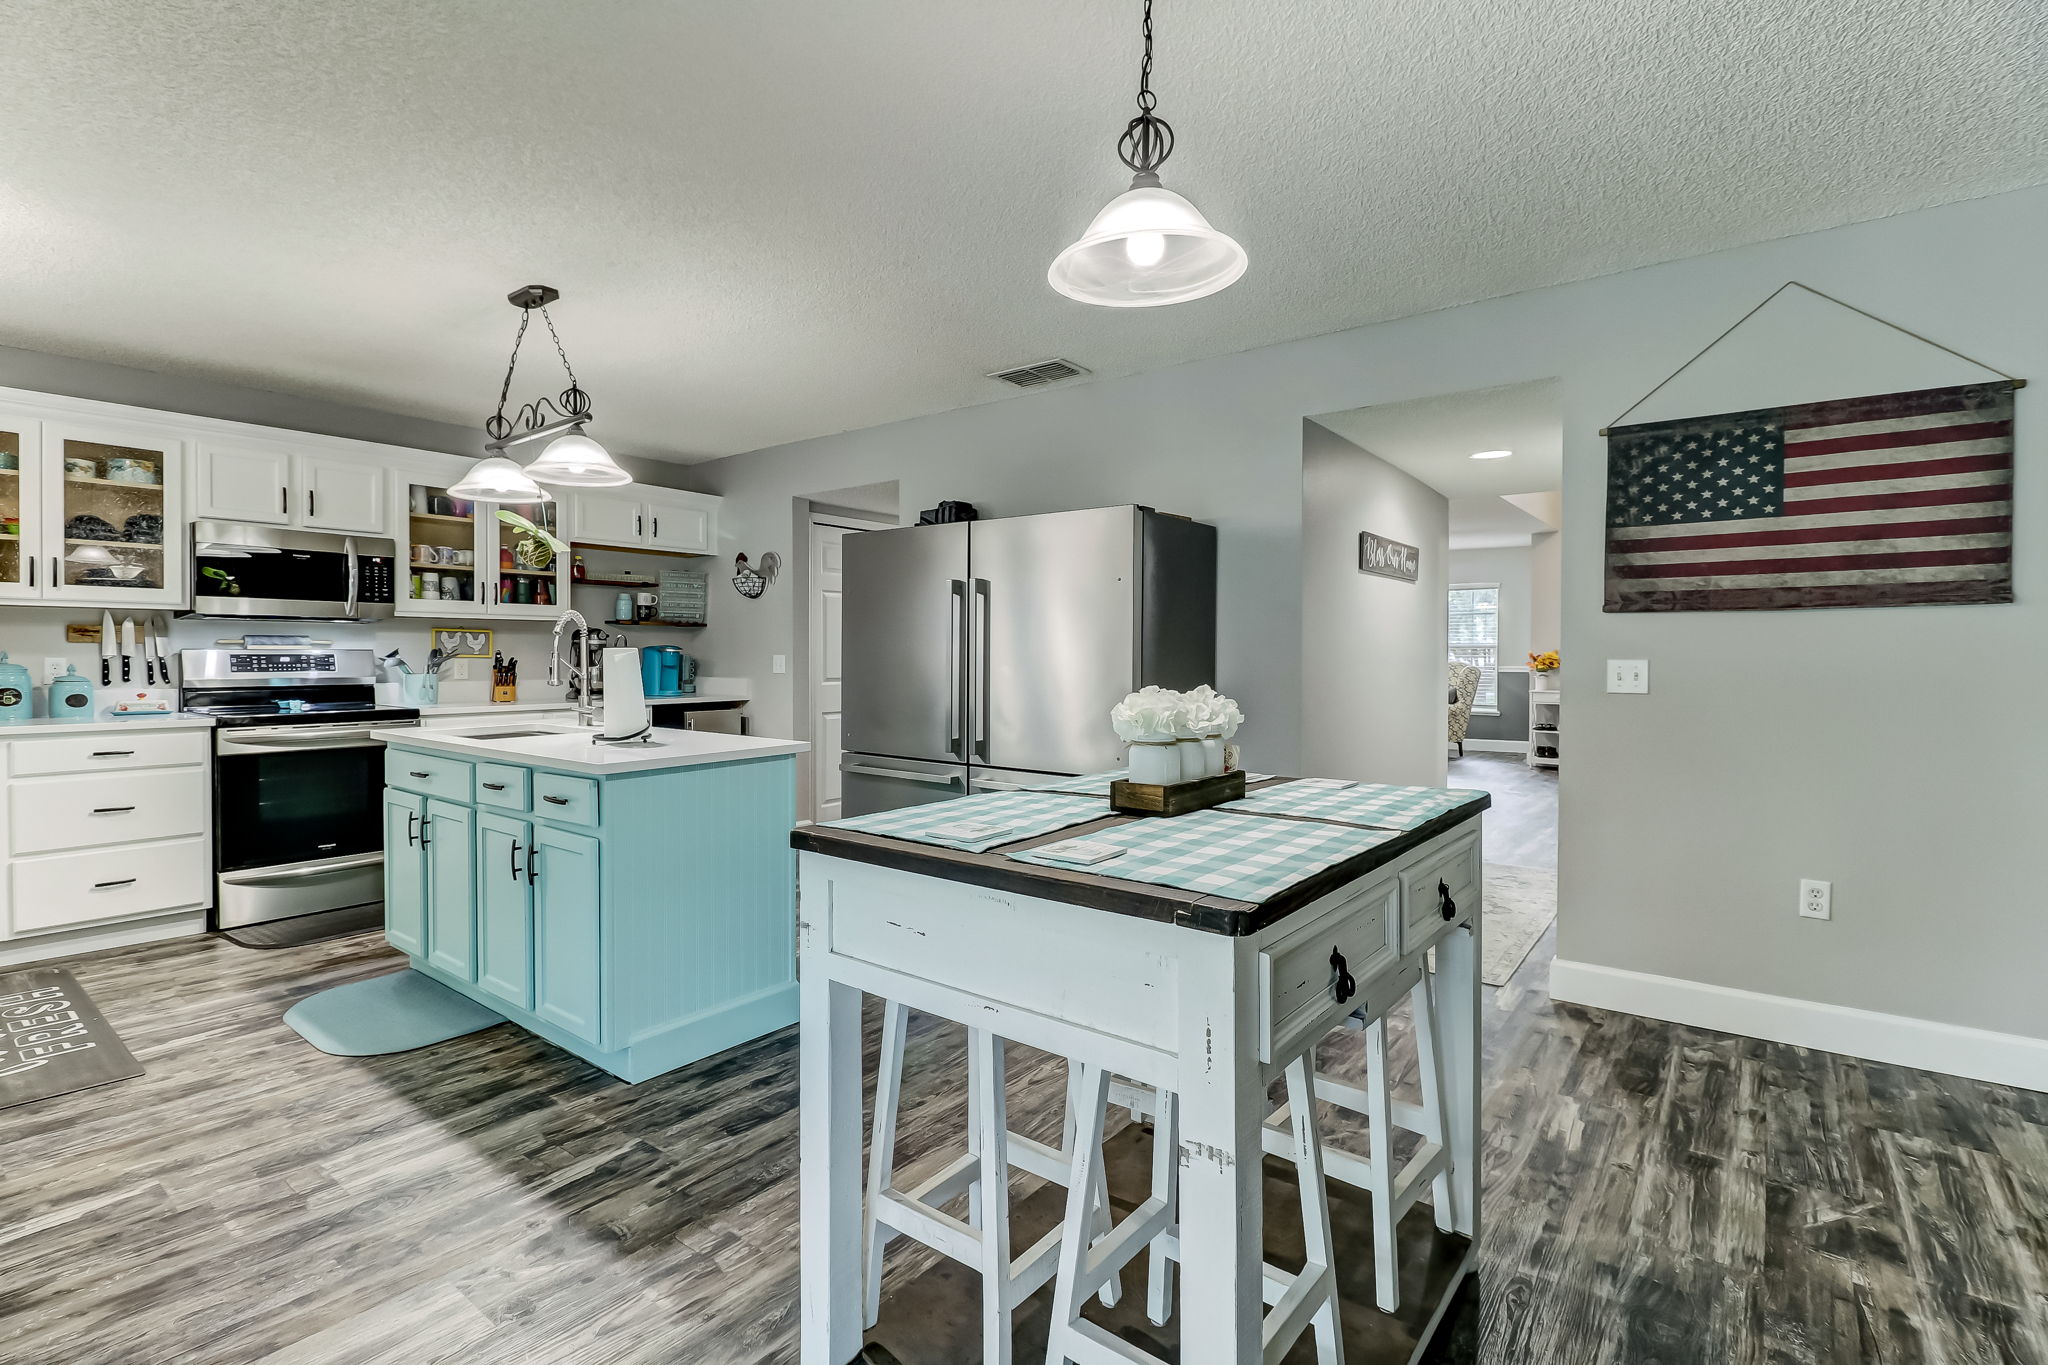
576 461
497 479
1148 247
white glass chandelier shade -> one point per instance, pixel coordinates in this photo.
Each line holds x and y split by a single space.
575 461
497 479
1147 248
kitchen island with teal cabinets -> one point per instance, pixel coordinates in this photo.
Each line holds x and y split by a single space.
634 905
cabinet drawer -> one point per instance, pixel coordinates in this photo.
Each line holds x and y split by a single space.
430 774
53 813
109 883
1449 878
108 752
501 785
558 796
1298 974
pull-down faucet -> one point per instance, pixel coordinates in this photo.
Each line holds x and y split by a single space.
579 668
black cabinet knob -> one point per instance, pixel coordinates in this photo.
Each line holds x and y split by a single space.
1343 988
1444 901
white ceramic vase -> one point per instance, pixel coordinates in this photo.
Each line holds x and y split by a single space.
1212 755
1193 764
1156 765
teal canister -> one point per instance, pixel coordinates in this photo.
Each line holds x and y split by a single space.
17 691
71 696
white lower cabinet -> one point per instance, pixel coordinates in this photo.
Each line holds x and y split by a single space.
105 828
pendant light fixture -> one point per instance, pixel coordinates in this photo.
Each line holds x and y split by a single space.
1149 246
570 458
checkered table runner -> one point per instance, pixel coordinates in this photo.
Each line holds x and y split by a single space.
1243 857
1009 816
1363 803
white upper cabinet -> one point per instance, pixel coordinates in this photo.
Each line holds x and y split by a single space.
21 506
642 518
340 495
113 518
233 481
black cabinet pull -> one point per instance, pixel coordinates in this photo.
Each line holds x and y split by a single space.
556 800
309 502
1444 901
284 500
1344 987
515 860
411 835
494 786
424 840
533 865
125 881
422 775
112 810
657 528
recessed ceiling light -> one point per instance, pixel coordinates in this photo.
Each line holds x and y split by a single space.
1491 454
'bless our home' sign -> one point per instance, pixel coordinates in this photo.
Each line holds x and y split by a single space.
1388 558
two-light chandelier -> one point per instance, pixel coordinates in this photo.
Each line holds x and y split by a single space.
571 459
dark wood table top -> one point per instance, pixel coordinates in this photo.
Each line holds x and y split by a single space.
1075 886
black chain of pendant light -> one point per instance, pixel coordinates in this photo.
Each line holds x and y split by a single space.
572 402
1148 138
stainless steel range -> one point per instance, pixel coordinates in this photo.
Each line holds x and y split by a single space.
298 778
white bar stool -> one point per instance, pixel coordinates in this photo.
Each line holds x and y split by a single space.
983 1174
1393 1191
1090 1258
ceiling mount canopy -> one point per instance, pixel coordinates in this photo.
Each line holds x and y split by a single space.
1148 246
571 457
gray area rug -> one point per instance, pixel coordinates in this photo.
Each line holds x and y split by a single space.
1520 904
52 1039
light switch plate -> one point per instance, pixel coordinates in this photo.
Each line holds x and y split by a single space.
1628 675
782 663
53 669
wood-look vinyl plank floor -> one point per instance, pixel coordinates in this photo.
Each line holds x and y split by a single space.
1653 1193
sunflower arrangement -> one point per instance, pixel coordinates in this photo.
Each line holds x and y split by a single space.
1546 662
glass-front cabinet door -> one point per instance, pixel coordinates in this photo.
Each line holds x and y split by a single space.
113 528
463 561
21 489
533 580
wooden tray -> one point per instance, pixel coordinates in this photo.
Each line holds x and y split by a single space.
1177 798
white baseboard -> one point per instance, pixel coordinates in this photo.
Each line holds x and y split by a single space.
1497 746
2001 1058
70 942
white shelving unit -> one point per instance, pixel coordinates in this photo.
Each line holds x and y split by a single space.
1545 726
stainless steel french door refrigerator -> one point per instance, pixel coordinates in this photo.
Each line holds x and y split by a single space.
980 655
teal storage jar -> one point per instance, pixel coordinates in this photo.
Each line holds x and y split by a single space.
71 696
17 692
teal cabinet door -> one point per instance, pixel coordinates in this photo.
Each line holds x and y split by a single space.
568 951
450 834
405 874
504 908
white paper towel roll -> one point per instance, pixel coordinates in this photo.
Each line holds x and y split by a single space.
625 703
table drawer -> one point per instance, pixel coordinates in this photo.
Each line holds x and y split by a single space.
429 774
64 889
1446 879
48 814
1299 973
502 785
108 751
558 796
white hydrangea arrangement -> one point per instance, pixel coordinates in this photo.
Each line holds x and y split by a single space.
1175 736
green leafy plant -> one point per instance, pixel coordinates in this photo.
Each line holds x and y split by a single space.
226 580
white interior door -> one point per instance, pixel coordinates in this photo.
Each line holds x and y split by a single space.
827 545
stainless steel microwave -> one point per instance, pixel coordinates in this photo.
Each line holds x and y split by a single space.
243 569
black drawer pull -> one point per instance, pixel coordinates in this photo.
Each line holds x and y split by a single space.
1444 901
556 800
112 810
113 753
420 774
1344 987
494 786
125 881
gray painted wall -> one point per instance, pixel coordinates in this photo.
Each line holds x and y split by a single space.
1372 647
1513 720
1762 754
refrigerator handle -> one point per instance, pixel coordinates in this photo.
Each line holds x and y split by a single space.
956 666
981 595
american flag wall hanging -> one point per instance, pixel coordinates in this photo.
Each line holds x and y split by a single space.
1893 500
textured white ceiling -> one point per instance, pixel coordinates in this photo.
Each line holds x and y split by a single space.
776 221
1434 438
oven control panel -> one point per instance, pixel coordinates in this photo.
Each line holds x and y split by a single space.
280 663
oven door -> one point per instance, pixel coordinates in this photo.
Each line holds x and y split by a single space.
240 569
298 820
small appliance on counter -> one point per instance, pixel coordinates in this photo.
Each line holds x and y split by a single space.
666 671
71 696
17 692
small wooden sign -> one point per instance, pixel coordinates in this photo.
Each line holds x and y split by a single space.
76 634
1388 558
1175 798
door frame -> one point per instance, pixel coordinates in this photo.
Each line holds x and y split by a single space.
802 712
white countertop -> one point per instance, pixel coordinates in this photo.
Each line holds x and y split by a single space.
570 747
56 725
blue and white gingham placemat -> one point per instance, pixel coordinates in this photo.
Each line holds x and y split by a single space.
1362 803
1243 857
1012 816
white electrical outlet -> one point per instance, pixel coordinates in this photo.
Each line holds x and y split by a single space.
1628 675
456 669
781 663
1816 899
53 669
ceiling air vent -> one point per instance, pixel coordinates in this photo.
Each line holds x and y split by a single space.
1039 375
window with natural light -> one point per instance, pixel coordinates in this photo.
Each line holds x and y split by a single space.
1475 638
